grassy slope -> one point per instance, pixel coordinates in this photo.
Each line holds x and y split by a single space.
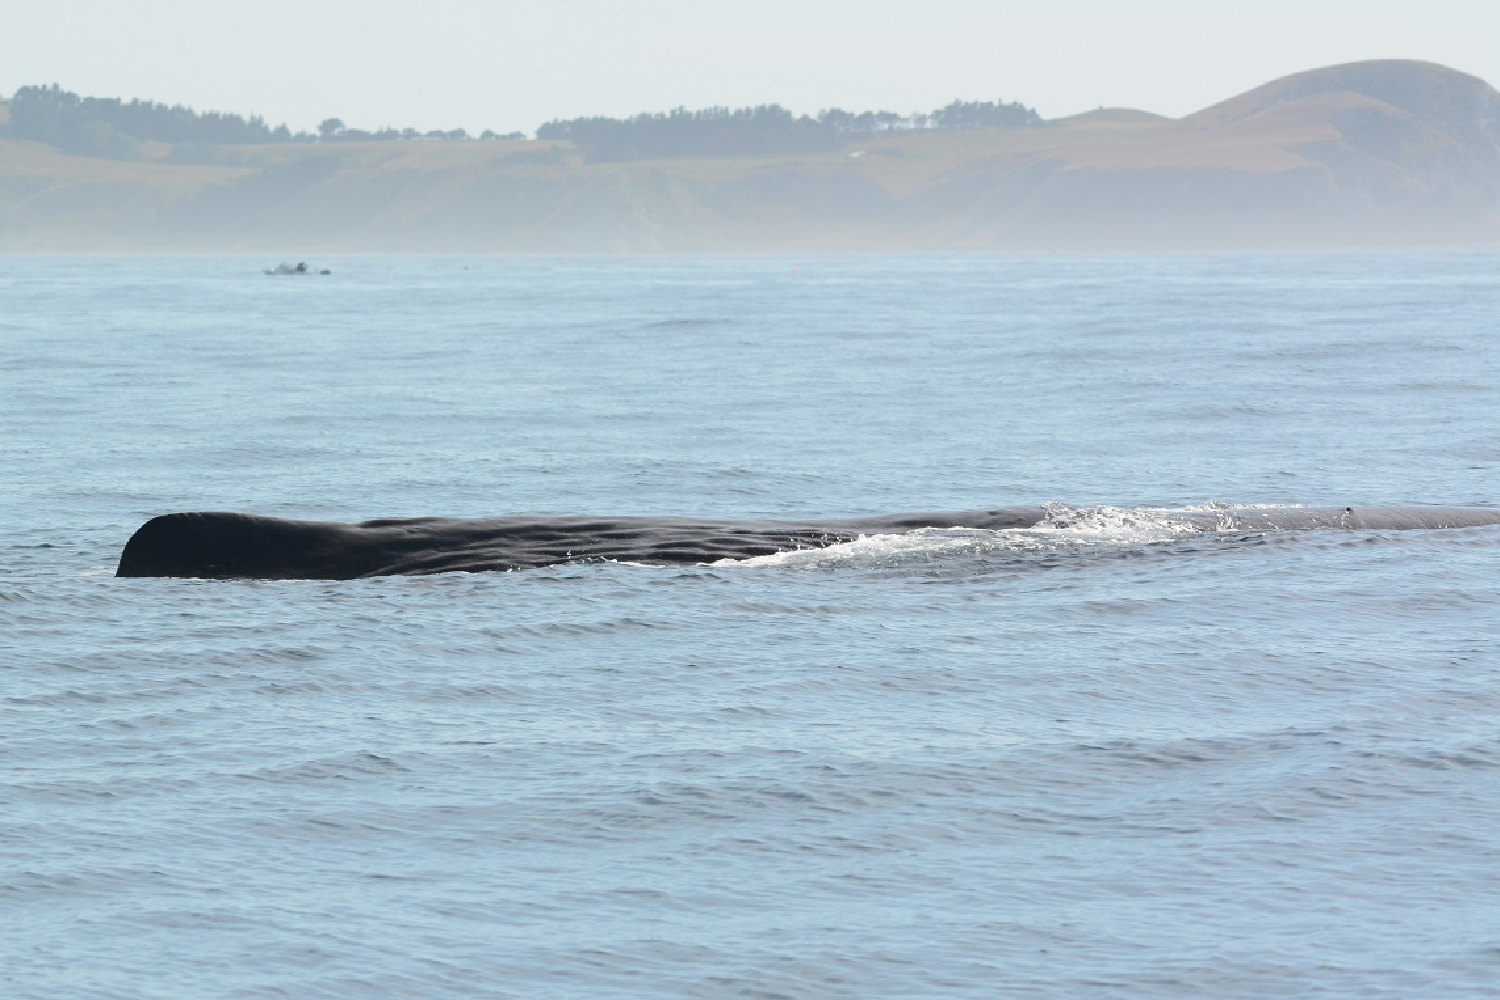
56 201
1251 170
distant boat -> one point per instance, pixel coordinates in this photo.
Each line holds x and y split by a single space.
298 268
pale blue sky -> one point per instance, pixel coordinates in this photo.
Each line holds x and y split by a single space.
505 65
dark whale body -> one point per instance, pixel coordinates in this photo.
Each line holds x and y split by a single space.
244 546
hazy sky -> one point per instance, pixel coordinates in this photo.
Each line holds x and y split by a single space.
506 65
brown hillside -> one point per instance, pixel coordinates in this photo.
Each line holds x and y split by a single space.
1443 97
1378 154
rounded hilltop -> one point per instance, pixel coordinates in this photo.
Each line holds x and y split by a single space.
1435 94
1111 116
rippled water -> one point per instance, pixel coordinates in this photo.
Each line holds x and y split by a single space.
1105 761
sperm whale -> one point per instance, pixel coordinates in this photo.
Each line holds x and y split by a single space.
216 545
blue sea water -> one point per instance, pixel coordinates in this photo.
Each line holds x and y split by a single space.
1108 761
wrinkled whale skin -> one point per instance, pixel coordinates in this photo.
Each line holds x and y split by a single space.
246 546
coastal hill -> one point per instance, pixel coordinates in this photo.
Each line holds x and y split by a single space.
1372 154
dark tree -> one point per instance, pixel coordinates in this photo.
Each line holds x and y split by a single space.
107 126
766 130
976 114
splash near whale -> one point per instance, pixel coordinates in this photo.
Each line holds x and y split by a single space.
245 546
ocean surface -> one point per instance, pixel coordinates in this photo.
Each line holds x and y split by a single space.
1108 761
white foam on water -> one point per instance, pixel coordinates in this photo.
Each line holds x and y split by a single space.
1146 524
1064 528
904 548
1117 525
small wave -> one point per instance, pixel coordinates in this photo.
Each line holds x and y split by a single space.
687 323
342 767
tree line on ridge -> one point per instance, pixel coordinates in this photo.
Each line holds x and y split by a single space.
113 128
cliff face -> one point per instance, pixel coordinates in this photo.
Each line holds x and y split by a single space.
1375 154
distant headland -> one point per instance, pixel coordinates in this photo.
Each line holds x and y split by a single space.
1372 155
